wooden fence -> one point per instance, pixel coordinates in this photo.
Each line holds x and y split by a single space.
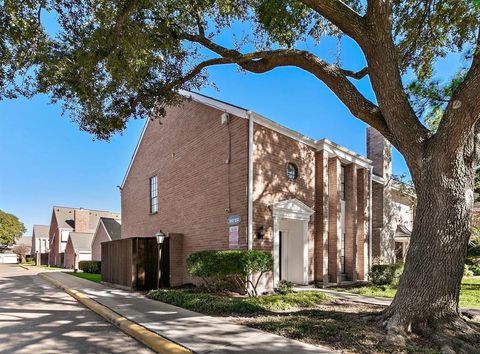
133 263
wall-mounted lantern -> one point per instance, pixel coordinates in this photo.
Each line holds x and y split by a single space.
260 232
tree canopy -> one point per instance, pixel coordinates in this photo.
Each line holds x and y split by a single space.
11 228
107 61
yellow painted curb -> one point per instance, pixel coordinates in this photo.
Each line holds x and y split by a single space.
151 339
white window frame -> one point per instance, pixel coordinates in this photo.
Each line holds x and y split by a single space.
153 183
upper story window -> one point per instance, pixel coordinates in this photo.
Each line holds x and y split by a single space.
342 182
292 171
153 195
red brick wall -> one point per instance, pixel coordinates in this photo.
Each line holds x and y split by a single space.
334 236
271 153
82 218
351 221
321 218
187 152
362 223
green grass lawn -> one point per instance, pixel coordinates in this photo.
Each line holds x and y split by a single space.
222 305
97 278
469 292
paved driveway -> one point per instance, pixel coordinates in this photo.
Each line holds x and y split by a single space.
35 317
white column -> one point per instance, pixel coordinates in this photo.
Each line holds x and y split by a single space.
305 252
276 251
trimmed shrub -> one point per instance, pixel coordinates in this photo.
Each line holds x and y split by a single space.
90 266
284 287
386 274
218 268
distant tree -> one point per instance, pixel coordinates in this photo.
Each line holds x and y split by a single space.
11 228
21 250
108 61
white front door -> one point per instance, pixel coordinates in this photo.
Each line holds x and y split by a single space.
291 250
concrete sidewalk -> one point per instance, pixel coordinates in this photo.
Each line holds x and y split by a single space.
197 332
369 299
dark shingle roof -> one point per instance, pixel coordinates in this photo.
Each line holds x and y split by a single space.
41 231
113 227
66 217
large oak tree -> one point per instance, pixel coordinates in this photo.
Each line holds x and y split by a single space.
106 61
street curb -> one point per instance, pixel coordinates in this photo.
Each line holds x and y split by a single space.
151 339
24 267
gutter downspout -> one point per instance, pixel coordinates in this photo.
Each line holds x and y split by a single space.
250 181
370 219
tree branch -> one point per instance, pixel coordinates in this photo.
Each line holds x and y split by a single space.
334 77
385 76
356 74
341 15
463 110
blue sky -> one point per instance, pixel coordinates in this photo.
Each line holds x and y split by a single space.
46 160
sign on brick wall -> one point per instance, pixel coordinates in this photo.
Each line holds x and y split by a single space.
234 219
233 236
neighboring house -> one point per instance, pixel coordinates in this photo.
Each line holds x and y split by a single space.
40 239
108 229
66 220
26 241
78 248
228 178
393 204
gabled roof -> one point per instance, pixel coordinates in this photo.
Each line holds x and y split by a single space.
41 231
323 144
66 217
81 241
113 228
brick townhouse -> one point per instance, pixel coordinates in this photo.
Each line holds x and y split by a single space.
227 178
71 220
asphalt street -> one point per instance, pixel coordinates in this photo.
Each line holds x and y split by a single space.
36 317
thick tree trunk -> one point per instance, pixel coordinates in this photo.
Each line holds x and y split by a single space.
428 292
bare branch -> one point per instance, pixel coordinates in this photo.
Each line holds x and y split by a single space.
341 15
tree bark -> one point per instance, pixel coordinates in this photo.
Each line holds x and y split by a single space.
428 293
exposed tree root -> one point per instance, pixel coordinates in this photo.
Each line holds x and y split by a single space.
453 335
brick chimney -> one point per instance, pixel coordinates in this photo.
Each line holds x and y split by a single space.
379 150
81 218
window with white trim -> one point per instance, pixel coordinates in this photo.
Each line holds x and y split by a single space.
153 195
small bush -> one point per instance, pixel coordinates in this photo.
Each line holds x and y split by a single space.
386 274
218 268
475 269
284 287
467 272
93 267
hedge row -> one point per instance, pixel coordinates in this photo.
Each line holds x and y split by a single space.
94 267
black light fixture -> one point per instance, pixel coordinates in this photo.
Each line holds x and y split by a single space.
260 232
